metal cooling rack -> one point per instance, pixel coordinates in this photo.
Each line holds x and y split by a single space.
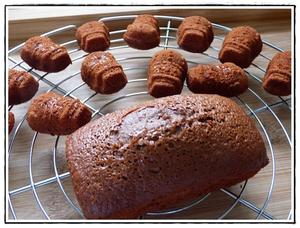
118 44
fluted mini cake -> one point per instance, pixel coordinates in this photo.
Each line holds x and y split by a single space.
22 86
93 36
166 73
277 80
53 114
241 46
195 34
103 73
43 54
143 33
224 79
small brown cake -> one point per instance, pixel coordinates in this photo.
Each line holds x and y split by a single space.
143 33
11 121
195 34
151 156
277 80
224 79
166 73
241 46
93 36
22 86
103 73
53 114
43 54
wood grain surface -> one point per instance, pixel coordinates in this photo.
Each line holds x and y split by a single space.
274 26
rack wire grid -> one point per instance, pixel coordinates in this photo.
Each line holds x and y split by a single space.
39 185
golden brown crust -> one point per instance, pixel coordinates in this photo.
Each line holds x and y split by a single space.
143 33
103 74
53 114
93 36
166 73
150 156
277 80
241 46
195 34
224 79
22 87
11 121
43 54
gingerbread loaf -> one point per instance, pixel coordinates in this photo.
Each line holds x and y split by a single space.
277 80
143 33
102 73
22 87
166 73
43 54
241 46
93 36
224 79
54 114
150 156
195 34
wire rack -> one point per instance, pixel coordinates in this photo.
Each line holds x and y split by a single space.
39 189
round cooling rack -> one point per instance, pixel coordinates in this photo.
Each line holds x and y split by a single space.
39 184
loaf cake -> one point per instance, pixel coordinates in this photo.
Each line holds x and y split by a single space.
166 73
195 34
150 156
225 79
93 36
277 80
102 73
241 46
53 114
143 33
43 54
11 121
22 87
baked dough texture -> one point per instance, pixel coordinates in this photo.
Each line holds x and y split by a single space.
277 80
148 157
241 46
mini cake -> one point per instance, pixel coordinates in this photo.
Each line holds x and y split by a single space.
277 80
143 33
11 121
93 36
43 54
166 73
103 73
195 34
22 87
53 114
224 79
151 156
241 46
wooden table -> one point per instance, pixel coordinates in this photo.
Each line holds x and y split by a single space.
274 26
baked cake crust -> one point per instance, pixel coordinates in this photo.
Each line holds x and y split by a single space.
225 79
22 87
103 74
43 54
277 80
195 34
166 73
149 157
93 36
54 114
241 46
143 33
